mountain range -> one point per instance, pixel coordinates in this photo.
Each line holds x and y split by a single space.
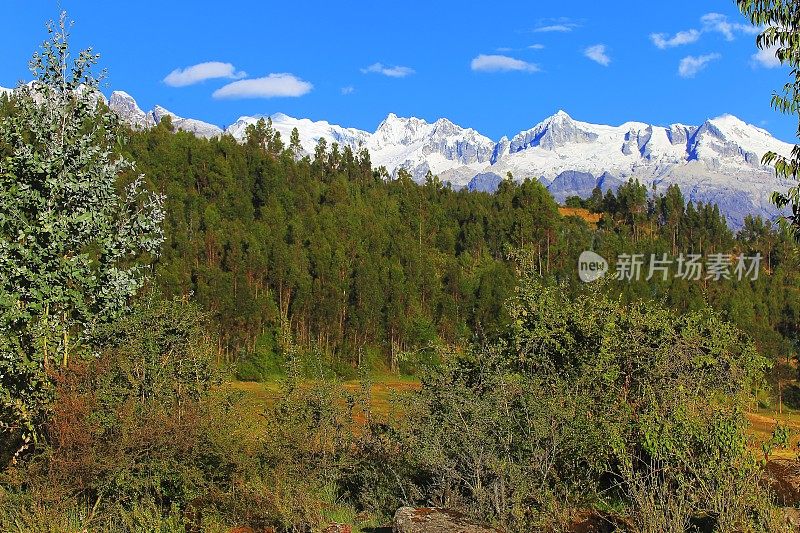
718 161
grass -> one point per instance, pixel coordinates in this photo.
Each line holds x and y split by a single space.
383 388
256 397
580 212
763 422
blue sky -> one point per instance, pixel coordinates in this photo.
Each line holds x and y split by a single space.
497 67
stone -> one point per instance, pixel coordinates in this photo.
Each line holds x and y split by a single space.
783 475
436 520
338 528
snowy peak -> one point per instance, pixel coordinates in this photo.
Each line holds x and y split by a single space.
727 142
197 127
553 132
310 131
125 106
128 110
161 112
443 148
394 130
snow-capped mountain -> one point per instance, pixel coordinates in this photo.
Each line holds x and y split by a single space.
453 153
442 147
310 132
198 127
126 107
718 161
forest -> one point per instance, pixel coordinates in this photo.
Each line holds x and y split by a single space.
361 265
208 335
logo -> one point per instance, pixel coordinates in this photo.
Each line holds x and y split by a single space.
591 266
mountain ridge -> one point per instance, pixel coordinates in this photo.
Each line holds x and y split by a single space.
718 161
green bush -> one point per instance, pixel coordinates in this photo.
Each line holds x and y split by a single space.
140 430
249 370
581 401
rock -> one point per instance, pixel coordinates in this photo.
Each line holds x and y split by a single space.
435 520
593 521
338 528
485 182
783 475
792 517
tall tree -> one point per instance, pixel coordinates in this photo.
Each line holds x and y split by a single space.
781 20
71 234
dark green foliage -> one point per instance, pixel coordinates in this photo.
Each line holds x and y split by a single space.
352 261
264 361
581 395
349 260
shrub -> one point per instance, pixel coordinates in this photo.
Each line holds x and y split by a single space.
308 442
139 429
582 395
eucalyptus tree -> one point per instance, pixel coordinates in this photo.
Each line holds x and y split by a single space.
781 22
76 227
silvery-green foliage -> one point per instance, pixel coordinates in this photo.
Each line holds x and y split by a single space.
72 238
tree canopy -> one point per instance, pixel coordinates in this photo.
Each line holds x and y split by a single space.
781 35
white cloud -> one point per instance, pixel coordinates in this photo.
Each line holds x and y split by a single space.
392 72
348 90
719 23
508 49
662 40
272 86
711 22
766 58
201 72
499 63
556 25
597 53
564 28
691 65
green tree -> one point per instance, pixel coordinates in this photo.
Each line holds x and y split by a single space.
294 143
781 20
71 235
578 390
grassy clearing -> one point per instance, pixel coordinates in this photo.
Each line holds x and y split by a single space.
585 214
763 422
256 397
